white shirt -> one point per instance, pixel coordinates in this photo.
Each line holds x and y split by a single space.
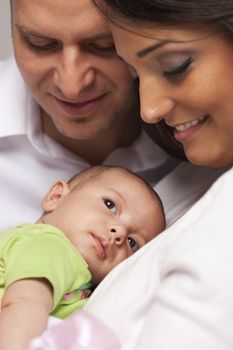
30 161
176 292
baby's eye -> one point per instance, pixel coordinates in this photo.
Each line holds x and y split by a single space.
133 244
110 205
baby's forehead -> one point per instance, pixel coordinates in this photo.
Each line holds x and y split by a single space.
112 175
113 178
115 172
124 181
117 176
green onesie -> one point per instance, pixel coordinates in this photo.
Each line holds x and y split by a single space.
43 251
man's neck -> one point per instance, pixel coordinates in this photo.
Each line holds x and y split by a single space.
96 150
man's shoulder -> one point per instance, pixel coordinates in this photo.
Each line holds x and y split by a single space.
2 64
13 99
7 64
10 76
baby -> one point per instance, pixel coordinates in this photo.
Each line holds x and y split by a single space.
88 226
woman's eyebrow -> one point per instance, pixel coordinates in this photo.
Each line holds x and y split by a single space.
148 49
151 48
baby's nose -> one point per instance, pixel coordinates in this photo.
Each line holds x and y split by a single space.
119 233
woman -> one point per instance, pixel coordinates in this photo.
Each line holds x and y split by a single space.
176 292
182 53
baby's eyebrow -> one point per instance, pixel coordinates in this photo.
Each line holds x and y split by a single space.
115 191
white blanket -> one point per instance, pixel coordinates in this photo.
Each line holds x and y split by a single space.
177 291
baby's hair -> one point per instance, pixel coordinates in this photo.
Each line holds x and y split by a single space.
79 180
91 173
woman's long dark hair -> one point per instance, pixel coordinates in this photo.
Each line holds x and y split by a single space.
170 12
217 13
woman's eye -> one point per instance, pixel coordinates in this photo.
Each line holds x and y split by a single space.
179 71
133 244
110 205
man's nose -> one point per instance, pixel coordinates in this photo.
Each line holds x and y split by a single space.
155 102
73 73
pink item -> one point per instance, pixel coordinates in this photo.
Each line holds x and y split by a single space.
82 331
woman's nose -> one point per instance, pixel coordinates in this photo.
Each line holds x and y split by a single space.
73 74
155 103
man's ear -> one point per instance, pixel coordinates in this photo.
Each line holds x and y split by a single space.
55 195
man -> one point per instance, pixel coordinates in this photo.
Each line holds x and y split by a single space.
73 105
69 103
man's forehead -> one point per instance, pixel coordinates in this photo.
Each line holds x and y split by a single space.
55 19
73 8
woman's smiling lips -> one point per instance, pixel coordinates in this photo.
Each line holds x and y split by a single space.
184 131
79 109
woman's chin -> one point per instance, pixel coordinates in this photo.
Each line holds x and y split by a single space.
205 160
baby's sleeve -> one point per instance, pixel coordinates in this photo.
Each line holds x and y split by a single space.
46 256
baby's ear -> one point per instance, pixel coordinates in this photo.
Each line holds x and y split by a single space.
55 195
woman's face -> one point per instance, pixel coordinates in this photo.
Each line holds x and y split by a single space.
186 78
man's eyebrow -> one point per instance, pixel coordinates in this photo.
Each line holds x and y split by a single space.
103 36
151 48
27 31
100 36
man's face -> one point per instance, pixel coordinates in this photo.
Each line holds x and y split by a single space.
66 56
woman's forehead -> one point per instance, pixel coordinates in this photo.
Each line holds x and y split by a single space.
173 33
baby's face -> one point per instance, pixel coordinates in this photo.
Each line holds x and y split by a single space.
108 219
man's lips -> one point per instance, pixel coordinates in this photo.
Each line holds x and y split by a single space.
79 108
79 102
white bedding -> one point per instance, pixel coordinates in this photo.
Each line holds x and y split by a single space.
176 292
